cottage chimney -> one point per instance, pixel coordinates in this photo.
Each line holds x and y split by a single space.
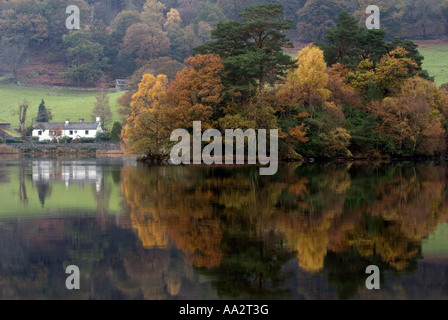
98 119
81 120
67 121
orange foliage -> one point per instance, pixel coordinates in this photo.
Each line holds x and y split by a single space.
196 90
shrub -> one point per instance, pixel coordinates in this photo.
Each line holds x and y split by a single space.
102 136
65 140
87 140
14 141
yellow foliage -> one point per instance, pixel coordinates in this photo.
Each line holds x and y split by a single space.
307 85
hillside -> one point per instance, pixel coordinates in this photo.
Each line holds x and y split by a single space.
121 38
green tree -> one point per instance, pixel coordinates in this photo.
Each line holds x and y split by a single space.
252 50
349 43
412 48
153 13
115 133
86 58
44 114
317 17
122 22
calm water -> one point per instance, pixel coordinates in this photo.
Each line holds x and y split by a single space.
139 232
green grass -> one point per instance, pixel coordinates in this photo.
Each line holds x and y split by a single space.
12 132
63 104
436 62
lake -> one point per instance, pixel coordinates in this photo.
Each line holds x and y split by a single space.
216 232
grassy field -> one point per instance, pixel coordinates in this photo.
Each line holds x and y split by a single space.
436 62
63 104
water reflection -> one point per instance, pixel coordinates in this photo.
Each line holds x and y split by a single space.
167 232
242 228
68 172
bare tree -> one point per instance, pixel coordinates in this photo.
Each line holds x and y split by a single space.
56 133
13 51
102 107
22 111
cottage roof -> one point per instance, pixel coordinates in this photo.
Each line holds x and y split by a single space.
69 126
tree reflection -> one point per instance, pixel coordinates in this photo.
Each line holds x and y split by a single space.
242 228
23 196
43 191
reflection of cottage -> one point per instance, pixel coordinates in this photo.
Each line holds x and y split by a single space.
6 132
74 130
73 172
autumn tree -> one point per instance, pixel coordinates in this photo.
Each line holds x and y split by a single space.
196 92
149 125
162 65
125 106
153 13
393 69
173 20
413 121
145 42
363 78
343 93
122 22
102 106
56 133
306 86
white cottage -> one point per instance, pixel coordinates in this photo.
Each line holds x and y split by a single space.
74 130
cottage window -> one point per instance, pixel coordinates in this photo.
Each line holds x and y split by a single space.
39 133
87 132
70 132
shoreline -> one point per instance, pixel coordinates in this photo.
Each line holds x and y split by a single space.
114 149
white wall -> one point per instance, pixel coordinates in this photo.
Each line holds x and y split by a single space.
65 133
